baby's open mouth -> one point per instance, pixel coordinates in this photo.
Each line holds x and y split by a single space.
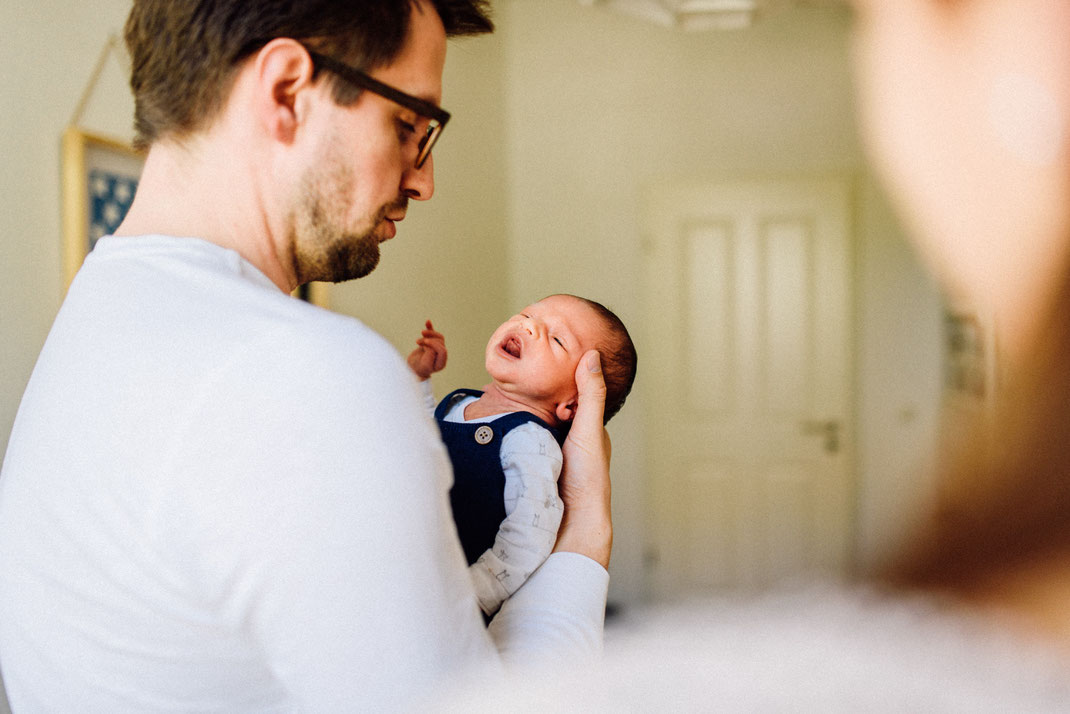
512 346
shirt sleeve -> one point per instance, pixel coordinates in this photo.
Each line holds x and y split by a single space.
557 617
531 460
427 394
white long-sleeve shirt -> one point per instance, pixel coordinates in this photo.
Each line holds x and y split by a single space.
194 516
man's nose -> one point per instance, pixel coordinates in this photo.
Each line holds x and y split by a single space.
419 183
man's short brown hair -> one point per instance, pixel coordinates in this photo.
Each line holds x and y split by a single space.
184 52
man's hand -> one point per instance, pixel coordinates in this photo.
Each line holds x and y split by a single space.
587 526
430 353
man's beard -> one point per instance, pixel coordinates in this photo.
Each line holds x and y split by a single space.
324 248
327 252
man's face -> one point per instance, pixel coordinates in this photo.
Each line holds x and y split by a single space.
362 172
534 353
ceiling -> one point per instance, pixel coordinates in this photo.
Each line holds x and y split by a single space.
700 15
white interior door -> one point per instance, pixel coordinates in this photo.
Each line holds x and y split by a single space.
746 366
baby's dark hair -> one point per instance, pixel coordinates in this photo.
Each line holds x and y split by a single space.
619 358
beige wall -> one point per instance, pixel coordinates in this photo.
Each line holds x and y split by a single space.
561 119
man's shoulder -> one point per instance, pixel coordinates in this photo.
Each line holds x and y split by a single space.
323 337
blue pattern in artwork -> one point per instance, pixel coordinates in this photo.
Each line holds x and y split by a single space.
110 195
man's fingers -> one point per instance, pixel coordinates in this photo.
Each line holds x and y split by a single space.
592 393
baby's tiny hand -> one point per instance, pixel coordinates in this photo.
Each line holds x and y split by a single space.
430 353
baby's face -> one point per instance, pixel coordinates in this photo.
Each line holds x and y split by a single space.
533 355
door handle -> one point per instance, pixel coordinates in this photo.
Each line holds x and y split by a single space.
829 429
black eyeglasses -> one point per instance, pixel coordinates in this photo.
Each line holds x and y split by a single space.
437 115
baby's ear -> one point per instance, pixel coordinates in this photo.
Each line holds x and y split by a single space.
565 411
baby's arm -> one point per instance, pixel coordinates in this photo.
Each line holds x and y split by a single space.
531 458
430 353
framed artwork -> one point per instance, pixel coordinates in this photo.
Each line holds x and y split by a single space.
100 176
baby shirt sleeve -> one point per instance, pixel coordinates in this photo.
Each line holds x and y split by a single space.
427 395
531 459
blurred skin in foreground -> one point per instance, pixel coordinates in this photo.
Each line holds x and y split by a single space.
966 110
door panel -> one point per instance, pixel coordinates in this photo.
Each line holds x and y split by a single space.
746 374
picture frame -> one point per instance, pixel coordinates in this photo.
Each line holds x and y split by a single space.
100 176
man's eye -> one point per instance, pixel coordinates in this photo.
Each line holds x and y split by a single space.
406 129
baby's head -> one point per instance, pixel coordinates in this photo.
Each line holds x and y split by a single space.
533 355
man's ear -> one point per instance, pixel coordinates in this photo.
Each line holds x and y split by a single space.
283 74
566 410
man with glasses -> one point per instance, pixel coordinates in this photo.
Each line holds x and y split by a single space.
217 497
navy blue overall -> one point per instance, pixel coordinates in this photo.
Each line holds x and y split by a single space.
478 493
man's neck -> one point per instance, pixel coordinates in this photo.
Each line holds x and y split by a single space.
196 188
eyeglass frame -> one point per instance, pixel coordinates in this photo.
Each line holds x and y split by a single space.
424 108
